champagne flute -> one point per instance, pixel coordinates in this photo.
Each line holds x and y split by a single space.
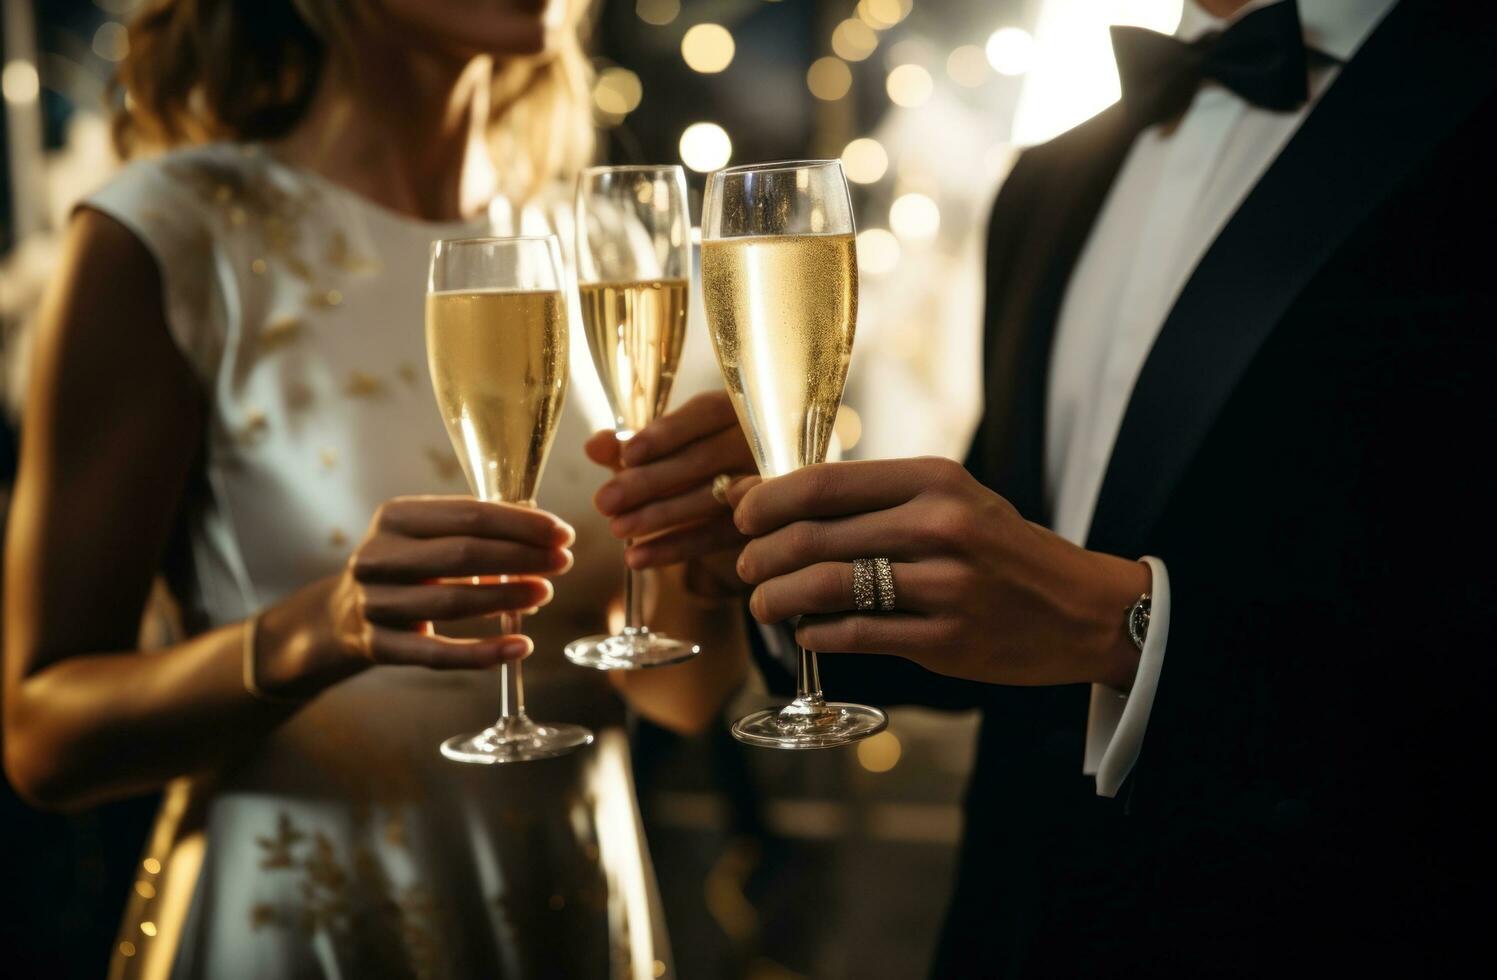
633 266
496 343
780 280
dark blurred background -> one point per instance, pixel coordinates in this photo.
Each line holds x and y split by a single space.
772 865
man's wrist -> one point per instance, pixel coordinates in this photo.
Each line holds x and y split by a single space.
1115 654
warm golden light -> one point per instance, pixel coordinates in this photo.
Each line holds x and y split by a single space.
111 41
617 92
1010 51
878 251
854 40
145 889
705 147
968 66
910 86
829 78
658 12
20 83
883 14
148 927
707 48
915 217
865 161
848 428
880 753
151 865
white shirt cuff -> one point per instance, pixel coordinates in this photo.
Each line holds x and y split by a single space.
1116 722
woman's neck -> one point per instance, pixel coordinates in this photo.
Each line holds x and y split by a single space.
408 135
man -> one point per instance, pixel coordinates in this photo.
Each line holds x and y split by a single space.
1240 325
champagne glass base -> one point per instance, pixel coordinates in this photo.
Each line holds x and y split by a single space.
635 650
810 726
516 740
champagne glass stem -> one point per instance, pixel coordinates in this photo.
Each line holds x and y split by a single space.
511 681
634 599
808 678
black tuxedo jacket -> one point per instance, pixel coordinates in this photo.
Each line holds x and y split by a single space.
1308 450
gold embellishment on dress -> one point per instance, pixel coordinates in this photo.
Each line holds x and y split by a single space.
337 539
281 330
408 373
255 427
325 300
298 396
328 458
341 256
361 385
448 468
237 215
258 267
278 848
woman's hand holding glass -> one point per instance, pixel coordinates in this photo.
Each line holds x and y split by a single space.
417 564
661 493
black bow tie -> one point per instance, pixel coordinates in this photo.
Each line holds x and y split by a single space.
1261 57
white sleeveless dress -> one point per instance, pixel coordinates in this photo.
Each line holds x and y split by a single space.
346 846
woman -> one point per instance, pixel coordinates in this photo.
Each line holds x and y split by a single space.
229 389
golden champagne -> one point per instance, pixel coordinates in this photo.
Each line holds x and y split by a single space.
782 311
499 367
635 331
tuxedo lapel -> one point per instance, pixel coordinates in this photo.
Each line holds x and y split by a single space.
1041 222
1416 77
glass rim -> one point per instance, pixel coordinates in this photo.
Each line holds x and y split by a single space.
632 168
774 166
494 240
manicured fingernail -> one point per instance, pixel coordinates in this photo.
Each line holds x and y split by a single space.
741 566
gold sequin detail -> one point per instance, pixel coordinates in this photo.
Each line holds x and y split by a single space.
325 300
443 462
281 330
277 849
361 385
337 539
298 396
341 256
258 267
254 428
328 458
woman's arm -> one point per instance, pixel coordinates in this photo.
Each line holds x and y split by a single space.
113 427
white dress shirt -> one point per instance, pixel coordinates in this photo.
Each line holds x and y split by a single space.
1176 190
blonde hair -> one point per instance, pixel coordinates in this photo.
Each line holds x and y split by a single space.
243 70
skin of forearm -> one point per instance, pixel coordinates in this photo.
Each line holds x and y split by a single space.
99 726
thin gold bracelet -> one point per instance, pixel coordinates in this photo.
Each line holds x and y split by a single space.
251 628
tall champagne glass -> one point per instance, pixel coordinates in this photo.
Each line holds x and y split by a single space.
496 342
780 283
633 266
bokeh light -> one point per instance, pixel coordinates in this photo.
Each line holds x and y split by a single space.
883 14
829 78
707 48
20 82
865 161
968 66
914 217
658 12
910 86
853 40
617 92
1010 51
705 147
848 428
878 251
879 753
111 41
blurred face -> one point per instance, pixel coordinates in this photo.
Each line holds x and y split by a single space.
462 29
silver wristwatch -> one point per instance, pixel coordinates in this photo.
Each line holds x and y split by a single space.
1138 621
